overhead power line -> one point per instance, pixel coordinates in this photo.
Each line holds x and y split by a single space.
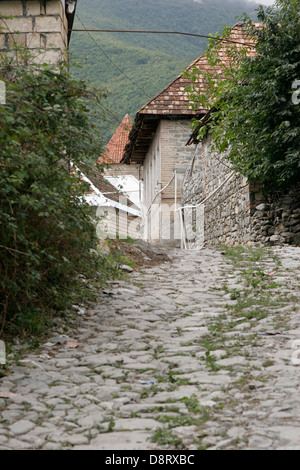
159 32
110 59
89 31
118 68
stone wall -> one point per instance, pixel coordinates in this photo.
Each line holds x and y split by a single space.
227 215
173 135
278 222
224 216
193 182
40 26
238 213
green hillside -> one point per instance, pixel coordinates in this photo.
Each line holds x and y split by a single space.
135 67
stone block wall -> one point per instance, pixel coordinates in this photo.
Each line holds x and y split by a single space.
277 222
237 214
227 217
194 180
173 135
40 26
224 217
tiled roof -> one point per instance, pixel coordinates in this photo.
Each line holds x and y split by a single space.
173 102
116 145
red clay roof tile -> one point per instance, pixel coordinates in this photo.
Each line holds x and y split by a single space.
172 100
115 147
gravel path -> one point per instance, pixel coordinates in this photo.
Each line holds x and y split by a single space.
197 353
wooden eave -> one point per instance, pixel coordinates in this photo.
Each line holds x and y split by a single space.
140 138
193 140
143 132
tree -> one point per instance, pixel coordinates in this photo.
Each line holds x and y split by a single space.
47 234
256 117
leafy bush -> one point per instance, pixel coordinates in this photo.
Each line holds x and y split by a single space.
255 117
47 234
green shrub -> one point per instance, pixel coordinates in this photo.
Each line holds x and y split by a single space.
47 234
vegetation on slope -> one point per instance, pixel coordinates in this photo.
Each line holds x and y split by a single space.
135 67
257 110
48 244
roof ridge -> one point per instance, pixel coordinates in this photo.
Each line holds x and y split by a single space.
171 83
180 76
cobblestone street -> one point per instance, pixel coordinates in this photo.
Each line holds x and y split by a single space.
197 353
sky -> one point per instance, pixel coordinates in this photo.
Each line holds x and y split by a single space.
265 2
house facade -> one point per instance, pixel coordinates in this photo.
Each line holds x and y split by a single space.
158 142
126 178
41 26
114 151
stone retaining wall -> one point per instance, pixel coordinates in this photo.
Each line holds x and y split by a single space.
278 222
227 215
238 213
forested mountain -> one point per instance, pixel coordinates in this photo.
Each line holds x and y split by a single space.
135 67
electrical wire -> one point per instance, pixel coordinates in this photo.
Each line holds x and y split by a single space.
110 59
158 32
122 72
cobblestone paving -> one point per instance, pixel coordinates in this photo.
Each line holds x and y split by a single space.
198 353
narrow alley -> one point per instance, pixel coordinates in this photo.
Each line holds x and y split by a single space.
196 353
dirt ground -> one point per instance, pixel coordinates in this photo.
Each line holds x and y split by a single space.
141 253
